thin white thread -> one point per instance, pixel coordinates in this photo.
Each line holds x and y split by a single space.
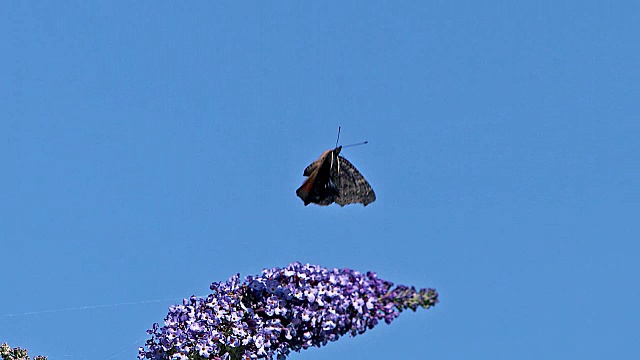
126 348
97 307
88 307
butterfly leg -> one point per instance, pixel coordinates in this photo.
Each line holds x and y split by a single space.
337 161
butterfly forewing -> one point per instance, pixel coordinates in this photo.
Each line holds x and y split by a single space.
353 187
318 188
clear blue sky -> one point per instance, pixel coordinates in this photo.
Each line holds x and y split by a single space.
148 149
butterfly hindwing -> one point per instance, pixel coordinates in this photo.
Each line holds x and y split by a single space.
309 169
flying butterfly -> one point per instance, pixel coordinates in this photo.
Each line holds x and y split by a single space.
332 178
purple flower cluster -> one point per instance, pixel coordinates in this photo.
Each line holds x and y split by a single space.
8 353
280 311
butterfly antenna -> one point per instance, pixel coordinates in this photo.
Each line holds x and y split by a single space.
338 139
360 143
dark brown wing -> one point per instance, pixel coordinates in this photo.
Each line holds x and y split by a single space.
319 188
353 188
309 169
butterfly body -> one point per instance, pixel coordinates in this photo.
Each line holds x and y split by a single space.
332 178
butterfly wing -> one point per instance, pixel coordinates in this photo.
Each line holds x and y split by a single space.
309 169
352 187
319 188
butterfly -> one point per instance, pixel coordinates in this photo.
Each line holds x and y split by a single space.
333 178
